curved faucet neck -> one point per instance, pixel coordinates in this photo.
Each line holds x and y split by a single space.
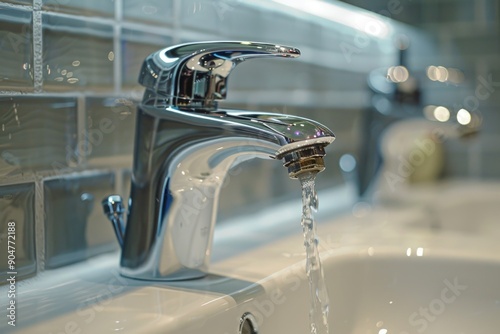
180 162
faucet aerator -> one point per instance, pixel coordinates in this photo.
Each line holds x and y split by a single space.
306 160
304 156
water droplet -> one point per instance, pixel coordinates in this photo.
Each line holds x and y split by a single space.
76 63
111 56
73 80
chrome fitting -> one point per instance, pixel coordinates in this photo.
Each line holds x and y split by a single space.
304 157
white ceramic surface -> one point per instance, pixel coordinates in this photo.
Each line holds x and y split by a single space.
387 272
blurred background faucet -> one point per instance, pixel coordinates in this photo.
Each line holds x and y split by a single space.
185 145
398 119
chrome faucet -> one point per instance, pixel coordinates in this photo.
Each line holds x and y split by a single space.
185 145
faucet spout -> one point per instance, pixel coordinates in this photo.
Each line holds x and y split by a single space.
183 152
301 141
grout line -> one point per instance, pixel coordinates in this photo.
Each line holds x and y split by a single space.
39 225
37 47
81 120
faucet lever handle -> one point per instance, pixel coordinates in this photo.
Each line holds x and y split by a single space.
194 75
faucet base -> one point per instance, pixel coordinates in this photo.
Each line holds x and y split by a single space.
181 275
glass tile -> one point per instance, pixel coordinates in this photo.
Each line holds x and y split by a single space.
75 226
37 133
17 207
77 55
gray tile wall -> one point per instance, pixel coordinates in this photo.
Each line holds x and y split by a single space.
68 91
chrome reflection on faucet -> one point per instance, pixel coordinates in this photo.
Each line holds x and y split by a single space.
184 147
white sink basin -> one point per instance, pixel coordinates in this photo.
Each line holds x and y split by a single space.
384 276
391 294
387 292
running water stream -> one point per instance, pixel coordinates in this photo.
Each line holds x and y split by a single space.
318 313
